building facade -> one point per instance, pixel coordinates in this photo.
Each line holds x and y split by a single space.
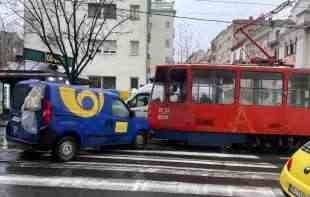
267 36
162 27
121 63
222 44
127 58
287 39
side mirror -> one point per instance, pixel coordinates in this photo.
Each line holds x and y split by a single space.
132 114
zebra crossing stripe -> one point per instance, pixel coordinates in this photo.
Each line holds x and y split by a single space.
195 154
186 161
136 185
167 170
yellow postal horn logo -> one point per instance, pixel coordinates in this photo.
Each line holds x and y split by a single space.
75 103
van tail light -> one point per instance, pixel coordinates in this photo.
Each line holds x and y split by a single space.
289 164
47 113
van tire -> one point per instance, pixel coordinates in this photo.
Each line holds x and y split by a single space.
140 141
65 149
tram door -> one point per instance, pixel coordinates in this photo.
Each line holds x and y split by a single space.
177 94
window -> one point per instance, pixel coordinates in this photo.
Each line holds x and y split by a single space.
261 88
140 100
213 86
158 93
292 47
167 43
286 48
109 82
95 82
119 109
168 24
103 82
134 12
306 147
167 60
96 44
109 46
19 95
134 48
134 83
94 10
177 86
109 11
299 90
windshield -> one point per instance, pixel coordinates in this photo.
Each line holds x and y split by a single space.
307 147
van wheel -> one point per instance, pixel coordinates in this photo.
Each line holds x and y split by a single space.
140 141
65 149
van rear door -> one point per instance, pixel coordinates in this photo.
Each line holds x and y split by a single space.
24 119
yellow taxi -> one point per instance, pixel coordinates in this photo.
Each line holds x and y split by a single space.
295 176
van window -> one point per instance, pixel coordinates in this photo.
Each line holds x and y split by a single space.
142 100
33 101
20 92
119 108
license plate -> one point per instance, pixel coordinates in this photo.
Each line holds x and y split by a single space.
293 190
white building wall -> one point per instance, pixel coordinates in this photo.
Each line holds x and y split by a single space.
122 64
162 31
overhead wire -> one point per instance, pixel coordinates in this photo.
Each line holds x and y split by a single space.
265 23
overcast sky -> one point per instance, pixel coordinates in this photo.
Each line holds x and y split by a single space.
205 31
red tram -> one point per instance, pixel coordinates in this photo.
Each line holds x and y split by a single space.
228 104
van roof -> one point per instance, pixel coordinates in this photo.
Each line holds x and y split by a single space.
56 85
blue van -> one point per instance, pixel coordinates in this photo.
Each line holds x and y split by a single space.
62 118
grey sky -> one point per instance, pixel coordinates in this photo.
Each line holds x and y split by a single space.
204 32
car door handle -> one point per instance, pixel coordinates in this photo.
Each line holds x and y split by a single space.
307 170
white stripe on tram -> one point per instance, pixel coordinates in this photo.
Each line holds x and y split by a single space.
136 185
197 154
185 161
138 168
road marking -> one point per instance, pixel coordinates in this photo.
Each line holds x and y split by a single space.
186 161
157 169
197 154
136 185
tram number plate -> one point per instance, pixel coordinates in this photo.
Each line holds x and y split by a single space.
163 113
163 117
296 192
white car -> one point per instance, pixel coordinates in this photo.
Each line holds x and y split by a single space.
138 101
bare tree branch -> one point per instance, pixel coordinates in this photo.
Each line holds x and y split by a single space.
67 31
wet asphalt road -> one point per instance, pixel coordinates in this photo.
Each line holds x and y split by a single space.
156 171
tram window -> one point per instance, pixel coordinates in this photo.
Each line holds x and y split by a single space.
299 90
261 88
158 93
213 86
177 85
